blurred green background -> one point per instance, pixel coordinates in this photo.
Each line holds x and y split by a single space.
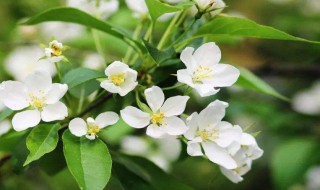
290 139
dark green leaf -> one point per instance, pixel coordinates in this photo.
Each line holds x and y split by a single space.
10 140
250 81
158 55
234 26
5 113
42 140
89 161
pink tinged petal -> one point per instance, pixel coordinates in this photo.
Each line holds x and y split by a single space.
185 77
116 68
194 148
205 90
110 87
155 98
192 126
218 155
174 126
14 95
127 87
208 54
231 175
26 119
228 134
174 106
78 127
187 57
155 131
39 83
135 117
224 75
212 115
56 92
106 119
53 112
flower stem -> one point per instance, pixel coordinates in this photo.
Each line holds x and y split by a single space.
173 87
96 38
135 35
185 32
56 64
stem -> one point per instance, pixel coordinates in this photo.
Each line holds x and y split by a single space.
97 42
136 34
95 104
173 87
167 33
56 64
81 101
185 32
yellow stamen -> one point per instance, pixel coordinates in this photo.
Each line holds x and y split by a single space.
209 134
201 73
36 102
56 51
93 129
117 79
157 118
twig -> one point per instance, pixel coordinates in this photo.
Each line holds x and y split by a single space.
95 104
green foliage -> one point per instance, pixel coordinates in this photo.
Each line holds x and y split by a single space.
89 161
42 140
227 26
291 160
159 56
5 113
250 81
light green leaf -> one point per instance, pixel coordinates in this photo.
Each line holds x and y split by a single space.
79 76
5 113
250 81
157 8
291 160
227 26
42 140
68 14
88 161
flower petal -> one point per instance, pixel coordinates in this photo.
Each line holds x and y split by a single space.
26 119
106 118
174 126
39 83
116 68
205 89
135 117
127 87
194 148
56 92
208 54
228 134
212 115
184 77
174 105
192 126
231 175
78 127
224 75
13 95
218 155
187 57
5 127
155 131
53 112
155 98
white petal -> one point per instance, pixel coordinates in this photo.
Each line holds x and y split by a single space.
131 75
208 54
192 126
228 134
116 68
135 117
78 127
110 87
5 127
212 115
39 82
53 112
248 140
106 118
127 87
174 105
184 77
187 57
154 97
138 6
218 155
224 75
14 95
174 126
155 131
205 89
26 119
56 92
231 175
91 137
194 148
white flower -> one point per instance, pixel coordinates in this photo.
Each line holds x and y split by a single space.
163 117
93 61
207 130
308 101
139 8
61 31
219 5
203 4
121 79
92 127
5 127
54 51
39 95
103 9
24 60
204 73
312 178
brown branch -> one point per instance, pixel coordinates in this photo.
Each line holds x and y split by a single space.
95 104
4 159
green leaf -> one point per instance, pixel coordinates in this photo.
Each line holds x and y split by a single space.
156 8
79 76
42 140
10 140
68 14
5 113
291 160
227 26
250 81
89 161
158 55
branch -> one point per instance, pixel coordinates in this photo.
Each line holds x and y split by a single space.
95 104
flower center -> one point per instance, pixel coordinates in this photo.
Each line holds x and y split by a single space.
36 102
157 118
209 134
201 73
93 129
117 79
56 51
